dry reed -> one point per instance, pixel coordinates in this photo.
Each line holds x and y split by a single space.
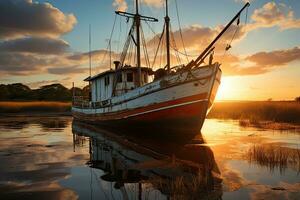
35 106
274 156
255 112
191 187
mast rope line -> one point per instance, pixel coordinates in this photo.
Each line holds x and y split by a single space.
157 49
109 43
180 31
228 46
145 48
238 22
174 43
182 53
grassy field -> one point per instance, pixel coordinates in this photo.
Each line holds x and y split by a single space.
257 111
34 107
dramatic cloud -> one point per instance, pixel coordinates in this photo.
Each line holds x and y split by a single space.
272 14
120 5
259 63
26 18
96 55
275 58
67 70
198 37
19 63
35 45
154 3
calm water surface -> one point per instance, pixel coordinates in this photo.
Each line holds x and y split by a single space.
56 158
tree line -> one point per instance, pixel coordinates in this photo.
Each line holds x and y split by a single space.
52 92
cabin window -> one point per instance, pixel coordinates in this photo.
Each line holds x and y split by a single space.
106 80
119 78
129 77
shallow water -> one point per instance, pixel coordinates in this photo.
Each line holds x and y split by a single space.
54 158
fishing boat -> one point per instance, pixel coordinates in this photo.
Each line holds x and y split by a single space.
171 98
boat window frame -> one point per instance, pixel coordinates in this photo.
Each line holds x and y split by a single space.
119 78
131 78
106 80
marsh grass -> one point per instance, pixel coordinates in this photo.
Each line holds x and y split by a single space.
274 157
253 113
35 106
193 187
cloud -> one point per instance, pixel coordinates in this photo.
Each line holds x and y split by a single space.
272 14
35 45
154 3
275 58
21 64
67 70
20 18
120 5
198 37
259 63
96 55
24 63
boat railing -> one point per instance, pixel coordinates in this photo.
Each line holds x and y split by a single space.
83 102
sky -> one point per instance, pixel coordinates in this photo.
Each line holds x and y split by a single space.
44 42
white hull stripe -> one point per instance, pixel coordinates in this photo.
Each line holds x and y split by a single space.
166 107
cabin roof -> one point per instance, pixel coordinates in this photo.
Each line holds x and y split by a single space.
111 71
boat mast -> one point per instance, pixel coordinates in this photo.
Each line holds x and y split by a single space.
137 23
167 21
138 47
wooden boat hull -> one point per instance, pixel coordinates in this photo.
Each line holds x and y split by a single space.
178 108
187 119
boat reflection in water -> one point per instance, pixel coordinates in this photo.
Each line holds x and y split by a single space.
178 170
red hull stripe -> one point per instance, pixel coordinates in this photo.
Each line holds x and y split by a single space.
167 107
147 109
195 109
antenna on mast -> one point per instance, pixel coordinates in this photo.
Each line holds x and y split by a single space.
138 47
90 63
167 20
90 55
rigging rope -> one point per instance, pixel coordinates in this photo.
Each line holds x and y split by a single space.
126 45
145 48
246 17
175 47
180 31
109 43
228 46
160 39
182 53
120 32
111 34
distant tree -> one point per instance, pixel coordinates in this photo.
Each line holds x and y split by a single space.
270 99
53 92
297 99
16 91
86 90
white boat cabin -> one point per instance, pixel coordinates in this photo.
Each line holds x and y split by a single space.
116 82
